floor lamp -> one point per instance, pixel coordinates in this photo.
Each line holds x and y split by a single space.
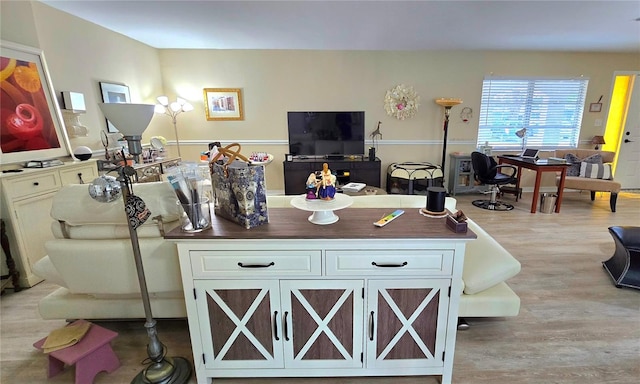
447 103
173 110
131 120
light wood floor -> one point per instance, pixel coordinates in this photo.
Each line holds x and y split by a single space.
574 325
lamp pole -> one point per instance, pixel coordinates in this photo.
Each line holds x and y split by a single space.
447 111
162 369
447 103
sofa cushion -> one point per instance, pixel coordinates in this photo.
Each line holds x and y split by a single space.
374 201
586 184
159 197
62 304
486 262
595 171
575 161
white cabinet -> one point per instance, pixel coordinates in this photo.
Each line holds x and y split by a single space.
294 299
26 203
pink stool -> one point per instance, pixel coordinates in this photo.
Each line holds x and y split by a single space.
92 354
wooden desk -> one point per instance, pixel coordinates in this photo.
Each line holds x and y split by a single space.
539 168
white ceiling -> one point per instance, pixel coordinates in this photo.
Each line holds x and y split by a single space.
600 26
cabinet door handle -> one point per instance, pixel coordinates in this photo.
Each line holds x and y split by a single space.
80 177
275 325
256 265
388 265
285 326
371 325
35 183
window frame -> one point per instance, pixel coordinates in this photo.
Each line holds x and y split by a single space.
535 99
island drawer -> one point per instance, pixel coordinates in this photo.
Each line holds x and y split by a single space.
256 264
413 262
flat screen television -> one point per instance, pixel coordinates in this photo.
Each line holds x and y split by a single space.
326 133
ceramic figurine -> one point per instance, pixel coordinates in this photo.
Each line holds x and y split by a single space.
327 184
312 187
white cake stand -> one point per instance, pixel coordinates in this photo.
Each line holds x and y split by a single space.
322 209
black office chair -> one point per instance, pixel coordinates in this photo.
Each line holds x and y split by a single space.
488 172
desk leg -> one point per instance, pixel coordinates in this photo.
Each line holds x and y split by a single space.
536 191
560 189
518 180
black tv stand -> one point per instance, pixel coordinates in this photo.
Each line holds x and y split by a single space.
346 169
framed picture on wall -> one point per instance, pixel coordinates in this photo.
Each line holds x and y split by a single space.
223 104
595 107
114 93
31 125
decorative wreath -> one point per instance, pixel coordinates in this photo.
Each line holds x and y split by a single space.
401 102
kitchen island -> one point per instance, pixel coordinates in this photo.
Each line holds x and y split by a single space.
295 299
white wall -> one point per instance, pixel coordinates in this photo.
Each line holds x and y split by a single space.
81 54
275 82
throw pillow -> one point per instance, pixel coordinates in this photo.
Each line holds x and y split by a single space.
595 171
575 161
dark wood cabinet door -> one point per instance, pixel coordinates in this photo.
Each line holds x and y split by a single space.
322 323
243 328
406 321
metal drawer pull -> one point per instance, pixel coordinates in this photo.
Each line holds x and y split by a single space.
371 325
388 265
275 325
36 183
286 327
80 177
256 265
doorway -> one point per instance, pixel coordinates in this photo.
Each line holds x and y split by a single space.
622 133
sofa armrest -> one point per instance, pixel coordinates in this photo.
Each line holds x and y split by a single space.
45 269
486 262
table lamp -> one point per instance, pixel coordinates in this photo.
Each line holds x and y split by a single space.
522 133
597 140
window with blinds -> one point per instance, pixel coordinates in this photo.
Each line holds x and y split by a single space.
550 109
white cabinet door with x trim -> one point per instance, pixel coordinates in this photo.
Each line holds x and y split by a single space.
407 322
244 323
322 323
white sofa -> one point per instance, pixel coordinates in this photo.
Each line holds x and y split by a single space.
96 273
93 262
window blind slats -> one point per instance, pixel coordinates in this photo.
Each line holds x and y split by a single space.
551 110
